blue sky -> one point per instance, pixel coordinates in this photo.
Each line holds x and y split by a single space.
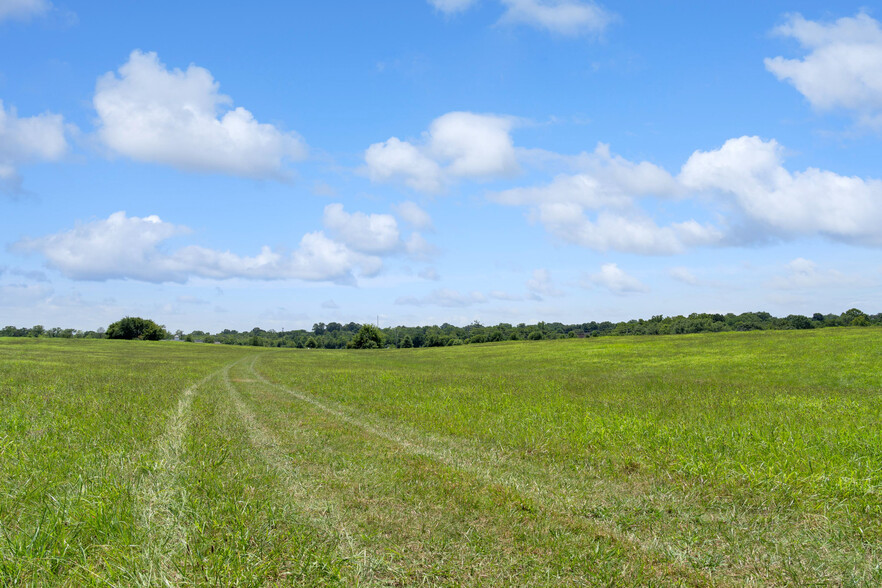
217 166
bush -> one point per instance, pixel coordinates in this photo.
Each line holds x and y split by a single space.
132 327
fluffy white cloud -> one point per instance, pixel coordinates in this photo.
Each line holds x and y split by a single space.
444 297
473 145
28 140
635 233
456 145
564 17
605 181
413 215
368 233
790 203
616 280
451 6
122 247
23 9
399 159
843 67
179 118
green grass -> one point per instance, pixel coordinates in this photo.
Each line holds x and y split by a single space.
715 459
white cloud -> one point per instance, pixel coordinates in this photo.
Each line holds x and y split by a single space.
413 215
122 247
843 67
844 208
563 17
28 140
444 297
635 233
616 280
451 6
473 145
179 118
605 180
368 233
456 145
542 284
23 9
394 159
330 305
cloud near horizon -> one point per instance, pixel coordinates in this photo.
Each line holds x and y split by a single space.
136 248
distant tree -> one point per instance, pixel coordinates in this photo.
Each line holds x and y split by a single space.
406 342
188 338
311 343
797 321
132 327
860 321
853 314
37 330
367 337
535 335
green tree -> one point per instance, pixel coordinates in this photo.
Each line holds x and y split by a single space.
132 327
367 337
406 342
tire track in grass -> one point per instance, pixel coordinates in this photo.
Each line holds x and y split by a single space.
551 487
322 513
485 465
160 499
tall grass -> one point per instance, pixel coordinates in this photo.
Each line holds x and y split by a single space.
712 459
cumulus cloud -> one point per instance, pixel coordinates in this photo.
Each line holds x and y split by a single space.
814 201
375 234
396 159
27 140
23 9
456 145
444 297
616 280
123 247
563 17
843 66
368 233
179 118
634 233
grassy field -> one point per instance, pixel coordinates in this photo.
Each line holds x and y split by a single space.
695 460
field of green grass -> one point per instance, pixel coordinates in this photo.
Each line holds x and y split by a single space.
694 460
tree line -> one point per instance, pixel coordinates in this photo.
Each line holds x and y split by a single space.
336 335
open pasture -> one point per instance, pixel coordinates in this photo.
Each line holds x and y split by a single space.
716 459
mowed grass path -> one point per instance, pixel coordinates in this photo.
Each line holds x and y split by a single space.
731 459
